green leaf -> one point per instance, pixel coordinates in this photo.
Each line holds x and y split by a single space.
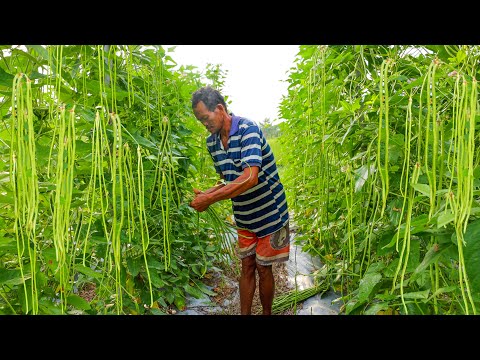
367 285
206 290
373 310
12 277
417 295
156 280
144 142
422 188
6 79
180 303
414 255
154 263
444 218
162 302
417 225
362 175
444 290
48 307
158 312
169 297
134 265
78 302
8 242
40 50
471 255
431 256
87 271
193 291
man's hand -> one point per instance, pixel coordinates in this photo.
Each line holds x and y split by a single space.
201 201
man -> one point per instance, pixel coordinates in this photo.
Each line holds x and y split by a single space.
243 159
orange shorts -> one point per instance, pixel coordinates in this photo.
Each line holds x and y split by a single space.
268 249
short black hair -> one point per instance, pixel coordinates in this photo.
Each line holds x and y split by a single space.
210 97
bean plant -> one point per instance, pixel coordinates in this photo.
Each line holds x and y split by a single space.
380 158
99 152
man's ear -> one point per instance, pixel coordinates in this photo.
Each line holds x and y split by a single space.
220 108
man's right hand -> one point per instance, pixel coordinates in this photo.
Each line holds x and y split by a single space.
201 201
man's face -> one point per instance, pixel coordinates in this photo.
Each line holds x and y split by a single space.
212 120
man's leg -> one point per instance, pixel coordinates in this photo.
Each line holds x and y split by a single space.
247 284
266 287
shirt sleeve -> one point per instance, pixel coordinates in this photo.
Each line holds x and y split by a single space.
251 147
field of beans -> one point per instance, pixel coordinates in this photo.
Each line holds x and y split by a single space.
99 151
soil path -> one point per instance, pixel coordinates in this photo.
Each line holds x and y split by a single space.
296 272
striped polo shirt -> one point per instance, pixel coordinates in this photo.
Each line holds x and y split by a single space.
261 209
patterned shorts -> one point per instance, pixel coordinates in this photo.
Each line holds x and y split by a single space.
268 249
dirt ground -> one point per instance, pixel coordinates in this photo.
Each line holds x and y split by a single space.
225 285
227 289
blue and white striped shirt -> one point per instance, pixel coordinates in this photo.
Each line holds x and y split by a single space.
261 209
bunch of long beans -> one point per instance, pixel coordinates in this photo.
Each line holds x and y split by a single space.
223 232
64 176
291 298
24 180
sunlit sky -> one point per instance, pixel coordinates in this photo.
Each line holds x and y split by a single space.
255 81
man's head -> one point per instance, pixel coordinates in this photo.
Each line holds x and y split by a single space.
209 108
209 96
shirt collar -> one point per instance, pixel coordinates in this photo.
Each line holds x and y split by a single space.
234 127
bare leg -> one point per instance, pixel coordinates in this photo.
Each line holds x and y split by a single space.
266 286
247 284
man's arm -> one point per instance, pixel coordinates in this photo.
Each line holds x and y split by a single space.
247 180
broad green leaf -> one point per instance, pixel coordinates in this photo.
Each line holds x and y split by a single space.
444 290
162 302
7 242
417 295
430 257
367 285
40 50
78 302
193 291
351 305
6 79
156 280
23 54
376 267
179 302
362 175
476 172
203 288
422 188
48 307
145 142
87 271
154 263
169 297
444 218
417 225
157 312
373 310
195 269
414 255
471 255
12 277
134 265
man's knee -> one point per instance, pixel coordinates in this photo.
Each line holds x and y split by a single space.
264 270
249 264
